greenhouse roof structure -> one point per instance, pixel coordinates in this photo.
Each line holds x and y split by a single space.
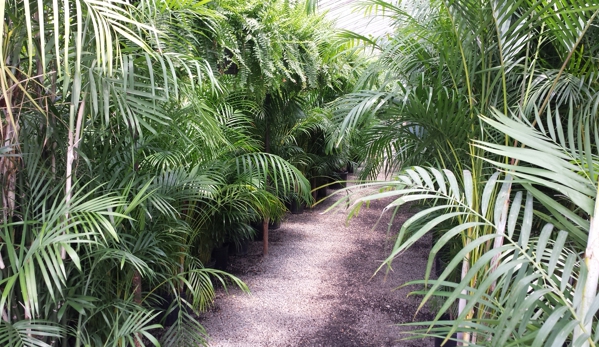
349 15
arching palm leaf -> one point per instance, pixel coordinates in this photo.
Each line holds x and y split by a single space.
518 281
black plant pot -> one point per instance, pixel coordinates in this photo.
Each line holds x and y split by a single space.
350 168
170 308
449 343
258 235
296 206
274 225
232 248
220 255
440 266
320 192
242 247
339 178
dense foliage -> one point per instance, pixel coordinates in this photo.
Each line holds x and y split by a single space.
137 136
132 146
488 109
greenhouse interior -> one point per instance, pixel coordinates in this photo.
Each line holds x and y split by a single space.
265 173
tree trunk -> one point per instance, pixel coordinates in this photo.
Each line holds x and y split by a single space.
266 150
265 236
462 302
137 298
8 164
74 137
8 170
591 261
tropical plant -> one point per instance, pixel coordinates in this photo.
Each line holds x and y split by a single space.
527 283
289 63
471 88
274 45
120 149
86 230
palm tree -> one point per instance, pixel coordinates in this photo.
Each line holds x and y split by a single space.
80 97
470 87
108 204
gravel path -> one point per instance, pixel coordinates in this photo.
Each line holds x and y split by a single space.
316 288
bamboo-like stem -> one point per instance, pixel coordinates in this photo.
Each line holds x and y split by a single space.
8 170
74 135
265 236
137 298
591 261
499 240
462 302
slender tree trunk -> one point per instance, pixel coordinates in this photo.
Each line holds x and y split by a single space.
137 298
52 123
591 261
74 137
8 167
265 237
266 150
498 242
462 302
8 164
8 170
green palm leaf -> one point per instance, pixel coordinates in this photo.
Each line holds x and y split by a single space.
523 282
27 333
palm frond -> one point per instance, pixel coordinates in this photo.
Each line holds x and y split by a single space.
26 333
560 161
519 285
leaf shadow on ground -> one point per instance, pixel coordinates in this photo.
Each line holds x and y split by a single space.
317 288
369 304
